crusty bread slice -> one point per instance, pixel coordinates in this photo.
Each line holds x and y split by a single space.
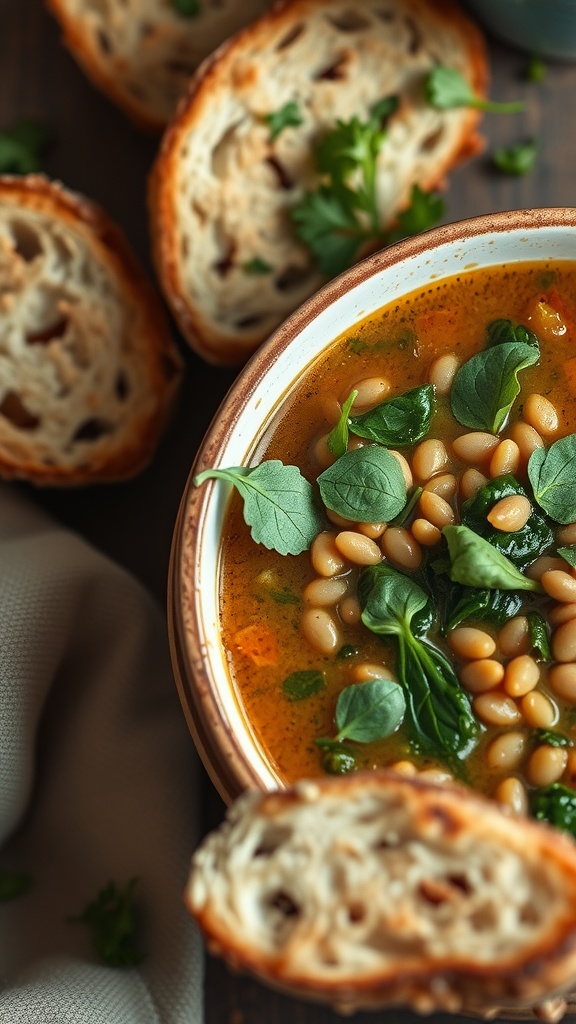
141 53
222 188
88 369
374 889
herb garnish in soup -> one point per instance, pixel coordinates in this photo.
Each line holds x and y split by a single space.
399 570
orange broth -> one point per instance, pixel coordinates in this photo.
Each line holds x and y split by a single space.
262 590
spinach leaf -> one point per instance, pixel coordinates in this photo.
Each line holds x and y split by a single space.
279 504
304 684
399 421
285 117
553 739
483 605
477 563
337 439
365 485
521 546
445 88
552 473
538 632
501 331
557 805
366 712
439 716
13 884
486 385
569 554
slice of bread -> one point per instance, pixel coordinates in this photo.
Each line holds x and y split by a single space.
222 188
88 368
374 890
141 53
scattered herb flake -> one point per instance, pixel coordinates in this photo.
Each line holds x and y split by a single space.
445 88
22 147
257 267
13 884
112 918
186 8
303 684
536 70
518 159
288 116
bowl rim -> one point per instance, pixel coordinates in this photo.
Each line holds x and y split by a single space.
219 747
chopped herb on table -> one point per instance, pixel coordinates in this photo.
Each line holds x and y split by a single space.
186 8
23 146
112 919
13 884
445 88
518 159
536 70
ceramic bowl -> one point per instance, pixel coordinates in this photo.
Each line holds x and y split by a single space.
543 28
220 729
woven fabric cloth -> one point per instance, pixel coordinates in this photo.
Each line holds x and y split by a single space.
96 783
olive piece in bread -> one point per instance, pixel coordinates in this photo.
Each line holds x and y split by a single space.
374 889
88 368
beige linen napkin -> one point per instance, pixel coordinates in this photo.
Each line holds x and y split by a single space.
96 783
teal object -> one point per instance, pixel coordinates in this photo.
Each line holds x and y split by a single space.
543 28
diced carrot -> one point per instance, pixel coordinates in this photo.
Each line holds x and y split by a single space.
549 316
569 367
258 643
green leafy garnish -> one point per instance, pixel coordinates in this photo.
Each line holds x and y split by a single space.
337 439
347 651
486 385
304 684
13 884
536 70
568 553
399 421
445 88
502 331
257 267
477 563
483 605
365 485
552 473
112 918
279 504
285 117
539 636
518 159
337 758
367 712
553 739
439 716
557 805
22 147
425 210
186 8
521 546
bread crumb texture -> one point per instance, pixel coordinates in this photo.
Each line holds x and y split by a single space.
379 890
88 370
143 52
223 186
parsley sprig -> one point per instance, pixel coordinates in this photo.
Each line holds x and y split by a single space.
445 88
342 215
112 918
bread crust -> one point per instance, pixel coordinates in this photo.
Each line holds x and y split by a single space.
221 119
75 303
142 55
298 885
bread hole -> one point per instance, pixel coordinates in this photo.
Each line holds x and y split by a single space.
92 430
13 409
180 67
282 175
283 903
529 914
349 21
26 241
431 141
484 918
290 37
356 913
460 882
225 264
335 72
271 840
170 368
122 387
103 41
385 15
291 278
55 330
443 890
415 43
221 152
246 322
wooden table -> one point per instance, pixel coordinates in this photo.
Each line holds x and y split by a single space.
98 152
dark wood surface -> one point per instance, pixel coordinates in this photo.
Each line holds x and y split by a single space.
98 152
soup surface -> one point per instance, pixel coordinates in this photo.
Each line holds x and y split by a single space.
439 634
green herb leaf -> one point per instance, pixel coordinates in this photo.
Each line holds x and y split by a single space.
502 331
257 267
347 651
425 210
304 684
284 596
13 884
399 421
476 563
112 918
552 473
337 758
557 805
365 485
326 222
518 159
522 546
553 739
279 505
366 712
186 8
439 716
445 88
536 70
337 439
486 385
538 632
22 147
288 116
568 553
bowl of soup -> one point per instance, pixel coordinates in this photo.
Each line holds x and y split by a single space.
373 562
